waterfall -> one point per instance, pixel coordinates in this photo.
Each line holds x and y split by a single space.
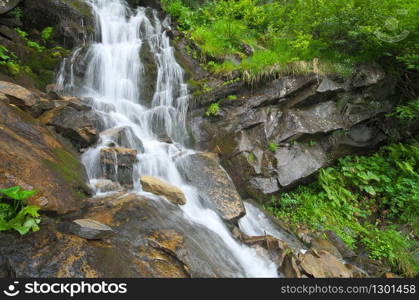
114 83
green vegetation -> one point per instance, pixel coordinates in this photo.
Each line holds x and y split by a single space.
38 62
267 38
272 146
213 110
46 34
15 214
371 202
9 60
407 112
16 13
29 43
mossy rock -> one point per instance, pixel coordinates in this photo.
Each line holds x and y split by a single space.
33 157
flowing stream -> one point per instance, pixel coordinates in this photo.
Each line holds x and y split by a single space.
114 84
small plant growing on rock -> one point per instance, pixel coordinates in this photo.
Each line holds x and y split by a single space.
17 13
15 214
212 110
46 34
272 147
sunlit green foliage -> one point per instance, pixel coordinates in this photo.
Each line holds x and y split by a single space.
365 200
15 213
280 32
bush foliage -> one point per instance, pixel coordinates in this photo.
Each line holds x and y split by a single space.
371 202
339 32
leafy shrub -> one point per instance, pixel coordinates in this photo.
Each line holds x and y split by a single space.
15 214
29 43
364 199
46 34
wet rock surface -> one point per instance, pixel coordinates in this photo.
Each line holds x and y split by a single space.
118 164
151 239
33 157
204 171
123 137
75 122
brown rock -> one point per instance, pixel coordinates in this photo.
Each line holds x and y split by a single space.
91 229
289 267
205 171
30 156
19 96
276 248
322 244
161 188
322 264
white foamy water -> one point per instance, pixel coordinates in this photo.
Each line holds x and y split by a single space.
114 84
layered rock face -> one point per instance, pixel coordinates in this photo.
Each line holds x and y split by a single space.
72 20
33 157
278 135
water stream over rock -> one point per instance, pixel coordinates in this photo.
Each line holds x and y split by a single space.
147 137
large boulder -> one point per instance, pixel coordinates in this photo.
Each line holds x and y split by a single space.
8 5
204 171
78 124
151 239
279 134
161 188
118 164
34 158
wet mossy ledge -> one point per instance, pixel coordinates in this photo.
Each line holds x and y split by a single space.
68 169
36 36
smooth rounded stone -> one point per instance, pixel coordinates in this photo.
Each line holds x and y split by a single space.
159 187
289 267
91 229
325 245
204 171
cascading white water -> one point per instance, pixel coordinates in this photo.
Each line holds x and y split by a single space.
113 81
